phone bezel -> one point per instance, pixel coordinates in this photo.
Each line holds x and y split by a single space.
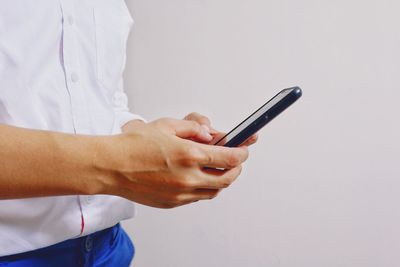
263 119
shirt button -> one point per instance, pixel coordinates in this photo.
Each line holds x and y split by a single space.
89 243
89 199
74 77
70 20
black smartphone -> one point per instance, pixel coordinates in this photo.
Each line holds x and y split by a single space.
260 117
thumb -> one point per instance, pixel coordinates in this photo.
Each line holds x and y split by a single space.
191 130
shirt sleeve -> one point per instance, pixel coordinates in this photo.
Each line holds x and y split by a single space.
121 109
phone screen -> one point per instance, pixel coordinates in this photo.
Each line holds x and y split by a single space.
262 111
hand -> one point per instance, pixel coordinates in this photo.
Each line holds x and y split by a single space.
206 124
153 164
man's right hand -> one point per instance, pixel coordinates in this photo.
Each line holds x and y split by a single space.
156 164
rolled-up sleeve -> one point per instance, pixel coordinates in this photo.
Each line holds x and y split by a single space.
121 109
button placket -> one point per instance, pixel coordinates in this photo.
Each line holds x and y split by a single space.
89 199
81 121
71 64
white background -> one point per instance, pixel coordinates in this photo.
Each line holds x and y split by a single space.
321 187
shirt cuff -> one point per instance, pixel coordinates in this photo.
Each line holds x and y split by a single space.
121 118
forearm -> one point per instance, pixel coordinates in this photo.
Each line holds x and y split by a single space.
151 163
37 163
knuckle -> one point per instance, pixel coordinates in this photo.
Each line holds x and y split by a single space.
180 184
184 183
236 174
226 184
232 177
162 122
205 120
195 126
190 155
168 121
167 205
192 115
209 158
232 160
177 182
215 194
177 199
171 205
189 183
173 201
195 116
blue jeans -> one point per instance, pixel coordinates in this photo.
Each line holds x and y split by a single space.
110 247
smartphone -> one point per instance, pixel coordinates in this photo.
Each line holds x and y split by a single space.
260 117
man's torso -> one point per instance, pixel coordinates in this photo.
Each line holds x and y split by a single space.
61 62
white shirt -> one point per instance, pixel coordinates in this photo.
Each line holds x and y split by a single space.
61 64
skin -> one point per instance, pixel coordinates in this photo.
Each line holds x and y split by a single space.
204 121
159 164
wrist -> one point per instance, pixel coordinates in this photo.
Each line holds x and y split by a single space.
107 165
79 155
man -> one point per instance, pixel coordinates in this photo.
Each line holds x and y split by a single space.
72 156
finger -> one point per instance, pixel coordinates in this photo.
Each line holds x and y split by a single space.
220 181
218 137
251 140
205 136
189 129
199 194
197 117
205 123
203 120
221 157
213 131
